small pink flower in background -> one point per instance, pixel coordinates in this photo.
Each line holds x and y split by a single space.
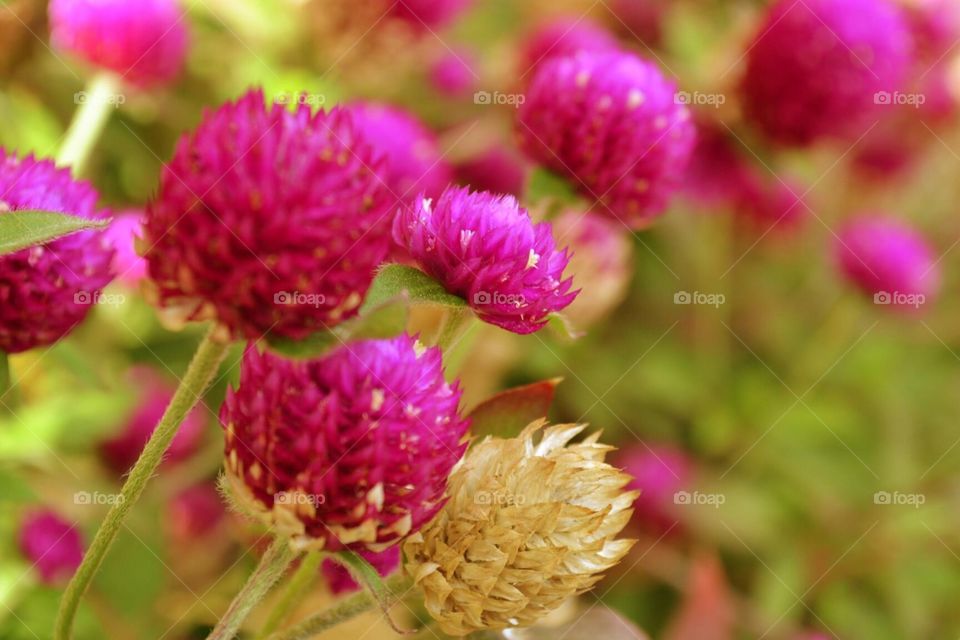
486 249
52 545
351 450
825 68
888 260
427 15
772 203
453 74
122 233
340 580
195 512
497 169
935 26
659 472
563 37
642 19
718 171
269 220
122 450
613 124
414 160
145 42
47 290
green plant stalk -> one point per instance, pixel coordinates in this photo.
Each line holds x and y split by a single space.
296 587
89 120
6 380
273 565
456 320
347 609
204 366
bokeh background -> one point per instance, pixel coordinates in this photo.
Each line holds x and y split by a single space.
798 443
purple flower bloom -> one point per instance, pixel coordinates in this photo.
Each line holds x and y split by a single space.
52 545
122 233
609 121
340 580
269 220
453 73
47 290
888 260
564 37
351 450
498 169
414 161
145 41
429 14
658 472
121 450
824 68
485 249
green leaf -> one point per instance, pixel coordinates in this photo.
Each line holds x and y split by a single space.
561 326
394 280
22 229
383 321
508 412
545 185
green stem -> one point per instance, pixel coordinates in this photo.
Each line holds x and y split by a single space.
456 320
6 380
203 368
101 97
297 586
272 566
345 610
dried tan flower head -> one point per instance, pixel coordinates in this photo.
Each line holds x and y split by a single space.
528 525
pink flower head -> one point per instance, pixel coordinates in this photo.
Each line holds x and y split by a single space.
718 172
825 68
52 545
120 451
351 450
889 261
269 220
453 73
659 472
935 26
47 290
610 122
414 161
485 249
563 37
145 41
340 580
427 15
195 512
643 19
498 169
122 233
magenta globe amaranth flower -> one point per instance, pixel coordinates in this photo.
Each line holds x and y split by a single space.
414 160
485 249
51 544
351 450
145 42
659 473
563 37
611 123
339 579
824 68
452 74
888 260
129 267
268 220
47 290
498 169
121 450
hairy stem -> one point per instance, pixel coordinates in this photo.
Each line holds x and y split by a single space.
297 586
272 566
203 368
